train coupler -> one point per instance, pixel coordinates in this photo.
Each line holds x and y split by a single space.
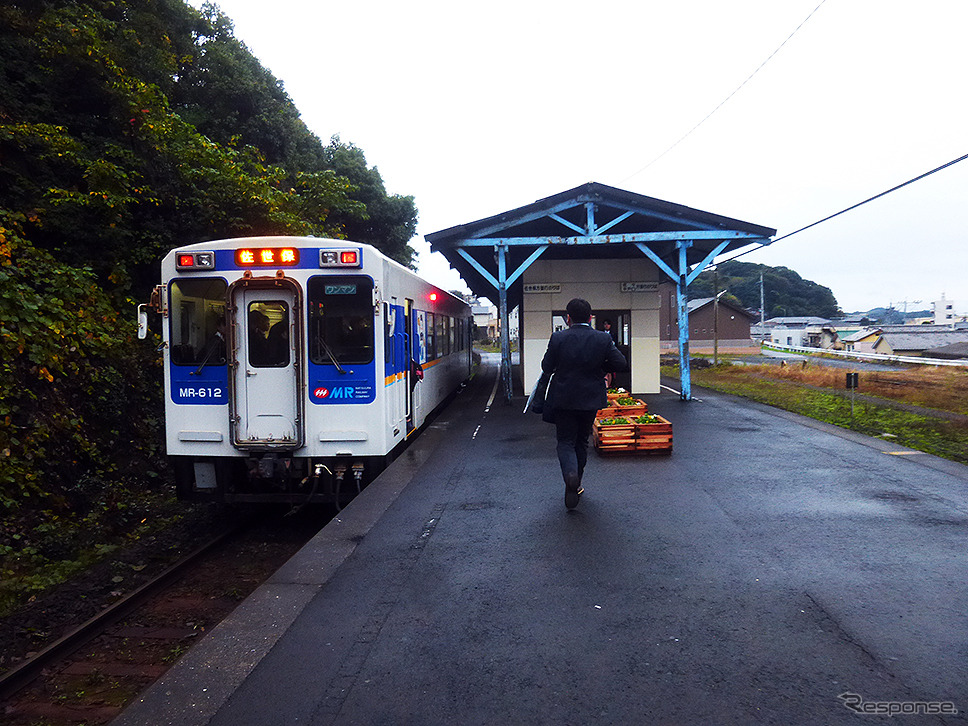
270 467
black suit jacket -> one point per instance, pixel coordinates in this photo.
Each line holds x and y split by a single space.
580 357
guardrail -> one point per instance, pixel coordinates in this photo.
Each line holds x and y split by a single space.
876 357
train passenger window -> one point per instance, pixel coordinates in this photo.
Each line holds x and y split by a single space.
197 335
441 334
422 350
431 337
389 330
268 334
340 319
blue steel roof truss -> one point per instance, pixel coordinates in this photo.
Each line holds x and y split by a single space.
684 232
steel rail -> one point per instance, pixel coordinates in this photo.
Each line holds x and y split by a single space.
19 677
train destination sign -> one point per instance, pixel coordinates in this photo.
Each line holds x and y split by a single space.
640 286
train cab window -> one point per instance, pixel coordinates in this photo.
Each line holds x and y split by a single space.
197 335
268 334
340 319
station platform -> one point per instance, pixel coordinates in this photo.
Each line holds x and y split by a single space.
771 570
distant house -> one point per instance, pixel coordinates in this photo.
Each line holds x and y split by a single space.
910 340
482 319
943 311
916 340
801 321
828 338
733 324
801 331
867 340
952 351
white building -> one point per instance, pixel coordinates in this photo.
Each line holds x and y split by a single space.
944 312
799 331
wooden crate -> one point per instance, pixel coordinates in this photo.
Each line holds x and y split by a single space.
654 436
613 410
633 438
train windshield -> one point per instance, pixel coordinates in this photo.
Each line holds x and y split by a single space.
340 319
198 322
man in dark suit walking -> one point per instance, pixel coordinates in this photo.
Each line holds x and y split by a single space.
579 357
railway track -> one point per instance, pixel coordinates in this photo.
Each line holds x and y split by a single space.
90 674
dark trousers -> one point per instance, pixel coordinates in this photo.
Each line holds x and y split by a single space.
572 430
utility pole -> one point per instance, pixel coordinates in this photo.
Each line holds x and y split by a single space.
762 303
905 302
715 316
716 327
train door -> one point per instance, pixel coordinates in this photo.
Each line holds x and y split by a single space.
266 410
412 355
394 364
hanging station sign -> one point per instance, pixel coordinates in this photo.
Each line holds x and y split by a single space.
640 287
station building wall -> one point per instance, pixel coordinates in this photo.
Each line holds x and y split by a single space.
601 283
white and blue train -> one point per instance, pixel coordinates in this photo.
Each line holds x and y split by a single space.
296 366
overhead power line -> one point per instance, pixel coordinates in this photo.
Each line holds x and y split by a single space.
725 100
854 206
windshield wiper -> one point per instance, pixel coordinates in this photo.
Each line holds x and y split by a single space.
212 347
322 341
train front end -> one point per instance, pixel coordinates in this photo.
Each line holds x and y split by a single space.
271 369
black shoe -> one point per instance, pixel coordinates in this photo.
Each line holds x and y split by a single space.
573 491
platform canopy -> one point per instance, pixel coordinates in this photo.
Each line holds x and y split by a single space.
590 222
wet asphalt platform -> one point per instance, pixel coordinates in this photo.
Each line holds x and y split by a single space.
765 569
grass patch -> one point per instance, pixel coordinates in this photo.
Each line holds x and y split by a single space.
49 553
800 390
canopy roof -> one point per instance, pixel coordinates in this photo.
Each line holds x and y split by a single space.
592 221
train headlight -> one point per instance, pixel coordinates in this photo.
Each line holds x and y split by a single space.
195 261
341 258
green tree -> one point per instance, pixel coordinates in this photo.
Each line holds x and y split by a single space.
230 98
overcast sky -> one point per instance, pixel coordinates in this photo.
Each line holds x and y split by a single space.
477 108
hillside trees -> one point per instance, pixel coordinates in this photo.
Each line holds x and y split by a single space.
230 98
201 143
785 292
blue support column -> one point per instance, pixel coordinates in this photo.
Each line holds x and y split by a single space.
683 304
502 293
